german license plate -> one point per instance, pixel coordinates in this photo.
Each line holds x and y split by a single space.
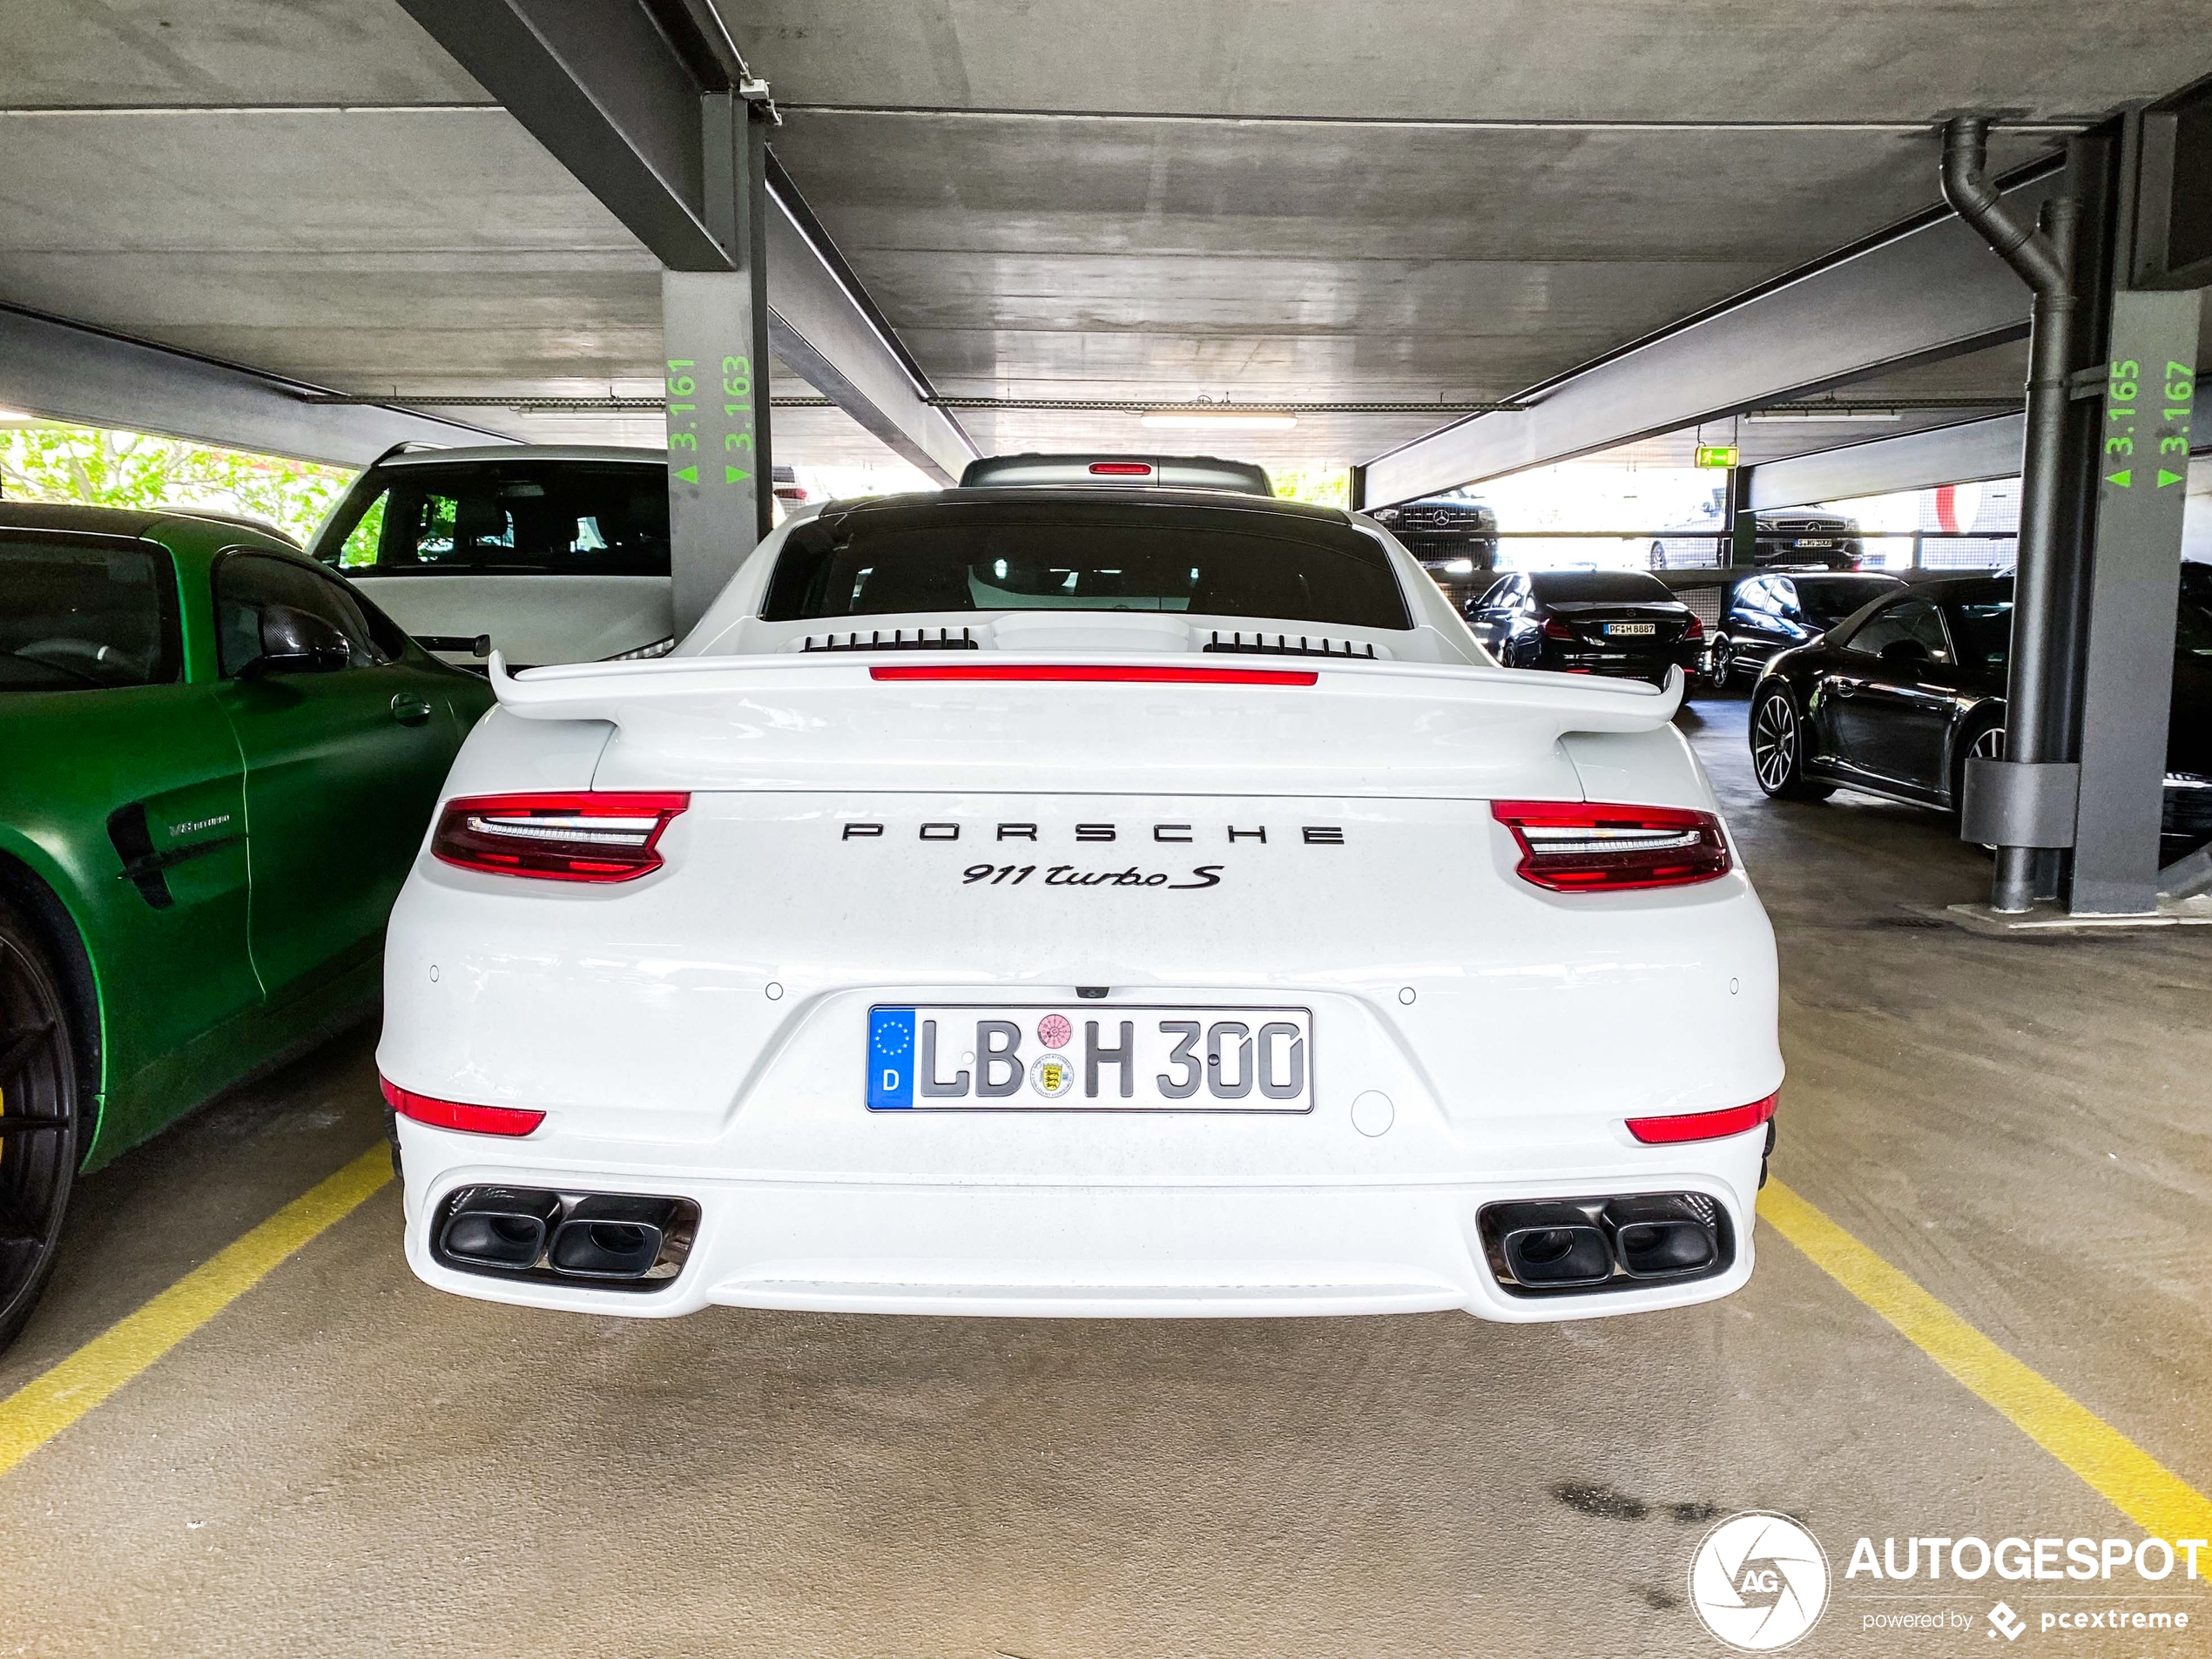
1629 630
1099 1058
1816 541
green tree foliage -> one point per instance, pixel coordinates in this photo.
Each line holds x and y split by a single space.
103 467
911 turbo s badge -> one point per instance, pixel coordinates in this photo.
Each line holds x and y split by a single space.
1067 876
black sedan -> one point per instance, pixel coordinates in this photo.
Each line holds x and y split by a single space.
1894 700
1620 623
1767 614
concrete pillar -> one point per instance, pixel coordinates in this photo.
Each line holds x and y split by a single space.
2128 674
714 332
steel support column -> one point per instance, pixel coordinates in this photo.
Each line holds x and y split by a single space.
714 333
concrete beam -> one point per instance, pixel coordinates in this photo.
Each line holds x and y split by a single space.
1929 290
67 372
613 88
1944 454
825 329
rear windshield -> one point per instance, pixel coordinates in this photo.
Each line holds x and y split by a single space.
517 518
1609 587
84 614
1084 556
1828 602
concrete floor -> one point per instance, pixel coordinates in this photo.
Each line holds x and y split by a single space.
345 1462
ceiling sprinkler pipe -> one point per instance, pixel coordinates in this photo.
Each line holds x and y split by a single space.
2042 257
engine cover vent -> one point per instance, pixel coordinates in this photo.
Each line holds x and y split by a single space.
1287 645
921 639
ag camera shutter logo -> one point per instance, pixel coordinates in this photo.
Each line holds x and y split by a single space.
1759 1582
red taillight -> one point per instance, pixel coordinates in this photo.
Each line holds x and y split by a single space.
1098 673
1695 630
1580 846
588 836
1701 1126
451 1114
1120 469
1553 628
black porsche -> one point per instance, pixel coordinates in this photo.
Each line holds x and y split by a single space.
1619 622
1894 700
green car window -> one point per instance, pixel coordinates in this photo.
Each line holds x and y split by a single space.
246 582
86 612
358 550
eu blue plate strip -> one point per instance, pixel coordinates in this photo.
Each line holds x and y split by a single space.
891 1059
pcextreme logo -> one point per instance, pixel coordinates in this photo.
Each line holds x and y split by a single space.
1759 1581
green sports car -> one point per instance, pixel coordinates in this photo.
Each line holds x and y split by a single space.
217 761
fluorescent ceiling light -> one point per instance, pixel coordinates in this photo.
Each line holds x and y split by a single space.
1856 417
1219 421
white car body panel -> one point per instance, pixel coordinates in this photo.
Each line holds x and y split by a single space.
534 619
698 1032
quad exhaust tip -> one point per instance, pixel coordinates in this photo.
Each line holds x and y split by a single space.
613 1241
1555 1246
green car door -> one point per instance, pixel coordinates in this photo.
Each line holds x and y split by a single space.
346 744
124 774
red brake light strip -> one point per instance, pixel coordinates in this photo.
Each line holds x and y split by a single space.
452 1114
1702 1126
1097 673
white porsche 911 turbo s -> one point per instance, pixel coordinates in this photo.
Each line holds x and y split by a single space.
1080 901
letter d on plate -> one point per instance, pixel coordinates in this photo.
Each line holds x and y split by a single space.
891 1059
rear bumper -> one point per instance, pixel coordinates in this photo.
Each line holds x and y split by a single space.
1688 656
981 1244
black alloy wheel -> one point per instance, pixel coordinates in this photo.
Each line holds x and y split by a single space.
1724 664
38 1118
1777 748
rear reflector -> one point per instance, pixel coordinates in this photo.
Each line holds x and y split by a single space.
1701 1126
588 836
1098 673
1579 847
451 1114
1120 469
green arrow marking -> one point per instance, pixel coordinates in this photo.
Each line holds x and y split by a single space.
2122 479
689 475
734 475
2166 477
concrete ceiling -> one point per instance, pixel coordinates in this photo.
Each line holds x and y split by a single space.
1450 201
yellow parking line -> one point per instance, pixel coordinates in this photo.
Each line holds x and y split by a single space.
51 1402
2137 1484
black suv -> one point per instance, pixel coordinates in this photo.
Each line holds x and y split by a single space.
1792 538
1455 540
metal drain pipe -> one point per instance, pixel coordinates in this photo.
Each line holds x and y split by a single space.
2043 258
